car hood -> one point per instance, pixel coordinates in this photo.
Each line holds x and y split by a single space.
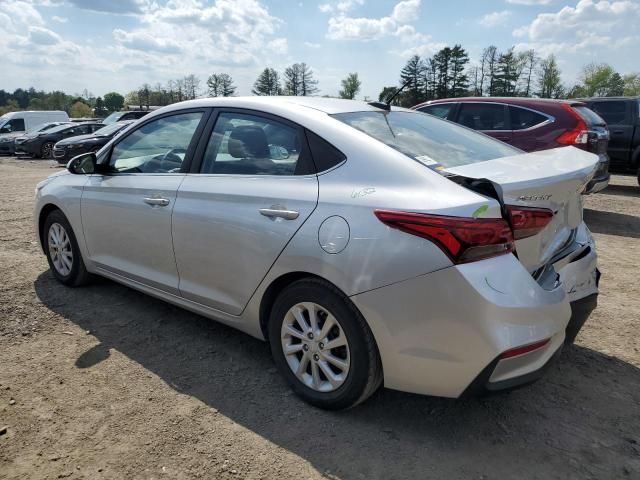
77 138
553 179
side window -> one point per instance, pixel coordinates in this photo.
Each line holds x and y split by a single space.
522 118
14 125
440 110
93 128
325 155
244 144
158 146
614 113
483 116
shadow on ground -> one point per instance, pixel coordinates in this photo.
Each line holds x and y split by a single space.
623 190
611 223
545 430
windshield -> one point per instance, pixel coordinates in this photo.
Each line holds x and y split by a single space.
428 139
59 128
109 129
44 126
112 118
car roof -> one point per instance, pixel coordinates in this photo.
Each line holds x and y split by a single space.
522 101
323 104
600 99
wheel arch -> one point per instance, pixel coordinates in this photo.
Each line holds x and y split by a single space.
45 211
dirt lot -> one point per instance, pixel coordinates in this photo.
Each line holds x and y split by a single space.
104 382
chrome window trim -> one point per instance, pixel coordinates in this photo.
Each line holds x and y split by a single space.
550 118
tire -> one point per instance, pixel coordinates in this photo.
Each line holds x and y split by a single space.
46 151
360 353
76 275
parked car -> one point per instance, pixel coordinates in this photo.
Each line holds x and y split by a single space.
14 124
67 148
622 115
41 146
367 246
18 141
126 115
531 124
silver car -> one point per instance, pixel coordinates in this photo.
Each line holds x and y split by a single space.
370 246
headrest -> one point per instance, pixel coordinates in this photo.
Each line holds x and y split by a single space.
248 141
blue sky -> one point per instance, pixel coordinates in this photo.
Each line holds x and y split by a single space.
104 45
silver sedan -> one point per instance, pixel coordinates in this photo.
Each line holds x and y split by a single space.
369 245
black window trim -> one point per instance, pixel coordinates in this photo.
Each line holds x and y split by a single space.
105 159
549 118
507 117
205 135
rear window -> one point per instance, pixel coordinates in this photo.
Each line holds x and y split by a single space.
613 112
440 110
589 116
522 118
427 139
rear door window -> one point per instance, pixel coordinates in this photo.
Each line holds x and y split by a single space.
440 110
523 118
613 112
483 116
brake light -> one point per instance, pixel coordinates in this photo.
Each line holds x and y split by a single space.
462 239
514 352
528 221
578 135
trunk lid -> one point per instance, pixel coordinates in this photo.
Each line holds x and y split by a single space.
552 179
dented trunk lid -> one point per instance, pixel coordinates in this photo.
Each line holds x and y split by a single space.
553 179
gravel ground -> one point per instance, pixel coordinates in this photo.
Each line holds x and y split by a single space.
104 382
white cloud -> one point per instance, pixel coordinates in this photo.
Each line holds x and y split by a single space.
312 45
58 19
343 27
495 19
119 7
43 36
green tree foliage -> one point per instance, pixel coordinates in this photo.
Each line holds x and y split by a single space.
267 83
601 80
413 73
549 81
113 101
387 92
631 84
298 80
80 110
220 85
350 86
507 73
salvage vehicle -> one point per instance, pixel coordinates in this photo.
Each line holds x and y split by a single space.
532 124
622 115
14 124
369 245
67 148
41 145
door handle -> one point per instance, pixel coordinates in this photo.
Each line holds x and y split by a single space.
275 212
160 202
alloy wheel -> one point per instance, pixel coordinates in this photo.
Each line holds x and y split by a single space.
47 150
60 249
315 347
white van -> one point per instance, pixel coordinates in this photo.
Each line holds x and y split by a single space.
21 122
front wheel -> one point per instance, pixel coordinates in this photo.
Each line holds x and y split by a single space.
322 345
63 254
47 150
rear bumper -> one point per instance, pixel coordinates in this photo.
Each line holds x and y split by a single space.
580 311
600 180
438 332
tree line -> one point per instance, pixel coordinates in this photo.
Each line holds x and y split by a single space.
448 73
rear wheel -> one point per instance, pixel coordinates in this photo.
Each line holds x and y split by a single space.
63 254
323 346
47 150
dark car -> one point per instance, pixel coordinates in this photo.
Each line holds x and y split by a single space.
531 124
18 141
126 115
66 149
42 144
622 115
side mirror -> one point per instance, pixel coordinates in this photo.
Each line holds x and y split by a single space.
83 164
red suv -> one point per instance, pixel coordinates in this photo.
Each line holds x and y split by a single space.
531 124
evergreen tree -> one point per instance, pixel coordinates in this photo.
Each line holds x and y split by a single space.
413 72
298 80
549 81
442 59
508 71
220 85
457 66
350 86
268 83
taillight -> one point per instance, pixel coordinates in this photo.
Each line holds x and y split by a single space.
578 135
528 221
515 352
462 239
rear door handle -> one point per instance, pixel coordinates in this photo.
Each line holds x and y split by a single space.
160 202
279 212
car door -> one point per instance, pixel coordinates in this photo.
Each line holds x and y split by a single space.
126 214
618 116
490 118
255 186
525 124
